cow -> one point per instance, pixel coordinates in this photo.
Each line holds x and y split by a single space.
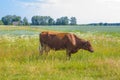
62 41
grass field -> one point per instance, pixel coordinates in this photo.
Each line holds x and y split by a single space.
20 59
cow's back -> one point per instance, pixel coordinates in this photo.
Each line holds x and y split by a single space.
53 39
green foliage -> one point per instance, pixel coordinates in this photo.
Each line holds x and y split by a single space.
25 21
9 19
51 21
38 20
62 21
73 21
42 20
47 20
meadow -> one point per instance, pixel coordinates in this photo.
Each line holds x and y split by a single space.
20 59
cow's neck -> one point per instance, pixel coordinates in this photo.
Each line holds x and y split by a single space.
81 43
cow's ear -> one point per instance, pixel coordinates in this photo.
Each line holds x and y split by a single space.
86 43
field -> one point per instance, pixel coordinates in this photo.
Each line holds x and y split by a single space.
20 59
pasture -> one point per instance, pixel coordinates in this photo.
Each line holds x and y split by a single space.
20 59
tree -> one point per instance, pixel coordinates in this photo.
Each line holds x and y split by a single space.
34 21
62 21
25 21
58 21
42 20
16 18
73 21
45 20
9 19
1 23
65 20
51 21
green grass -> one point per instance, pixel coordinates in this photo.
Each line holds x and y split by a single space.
20 59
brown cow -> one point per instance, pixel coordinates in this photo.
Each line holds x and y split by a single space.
57 41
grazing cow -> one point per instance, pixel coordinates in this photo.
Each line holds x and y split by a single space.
58 41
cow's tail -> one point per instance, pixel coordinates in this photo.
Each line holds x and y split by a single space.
40 44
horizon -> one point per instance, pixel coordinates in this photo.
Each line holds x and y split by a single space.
86 11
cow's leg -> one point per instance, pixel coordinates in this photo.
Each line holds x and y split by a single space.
47 49
68 54
41 48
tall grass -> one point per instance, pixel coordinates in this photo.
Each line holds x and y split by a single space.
20 59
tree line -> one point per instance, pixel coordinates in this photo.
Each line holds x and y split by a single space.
37 20
104 24
13 19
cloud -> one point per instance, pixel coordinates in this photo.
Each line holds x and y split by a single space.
109 0
58 8
55 6
111 4
86 11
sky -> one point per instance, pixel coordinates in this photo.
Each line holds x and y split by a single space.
86 11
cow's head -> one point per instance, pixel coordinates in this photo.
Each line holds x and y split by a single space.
88 46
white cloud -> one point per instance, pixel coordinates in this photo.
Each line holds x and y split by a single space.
111 4
109 0
86 11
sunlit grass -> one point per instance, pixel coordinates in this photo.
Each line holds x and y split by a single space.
20 59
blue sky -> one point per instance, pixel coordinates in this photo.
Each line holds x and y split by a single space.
86 11
11 7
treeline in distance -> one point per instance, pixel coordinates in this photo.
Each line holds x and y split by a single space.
37 20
